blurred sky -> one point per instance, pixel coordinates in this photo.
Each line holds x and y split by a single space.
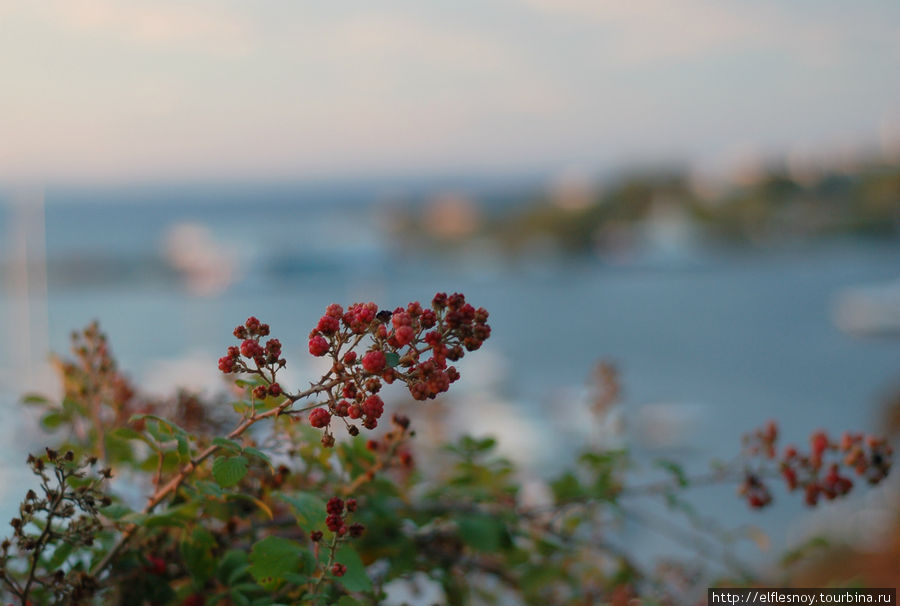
108 91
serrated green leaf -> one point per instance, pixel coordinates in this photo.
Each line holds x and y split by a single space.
309 509
226 444
258 454
273 557
355 578
228 471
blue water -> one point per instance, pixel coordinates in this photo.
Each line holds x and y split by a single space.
736 337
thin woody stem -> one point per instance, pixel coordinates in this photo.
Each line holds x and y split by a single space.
172 485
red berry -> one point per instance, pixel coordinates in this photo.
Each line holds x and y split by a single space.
334 522
404 335
374 361
328 325
335 505
250 348
373 407
319 417
338 569
318 346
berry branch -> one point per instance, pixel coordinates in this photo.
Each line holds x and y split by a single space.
449 328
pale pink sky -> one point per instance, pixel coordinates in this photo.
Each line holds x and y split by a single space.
107 91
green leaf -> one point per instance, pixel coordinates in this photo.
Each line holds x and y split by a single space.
59 556
172 426
33 398
309 509
258 454
228 471
180 515
232 567
184 449
567 488
347 601
482 532
209 489
129 433
272 558
355 579
197 554
115 511
226 444
392 358
52 420
245 384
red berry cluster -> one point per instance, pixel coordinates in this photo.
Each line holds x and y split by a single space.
336 521
410 344
265 357
869 456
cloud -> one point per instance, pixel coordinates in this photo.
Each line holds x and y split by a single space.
204 27
661 31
